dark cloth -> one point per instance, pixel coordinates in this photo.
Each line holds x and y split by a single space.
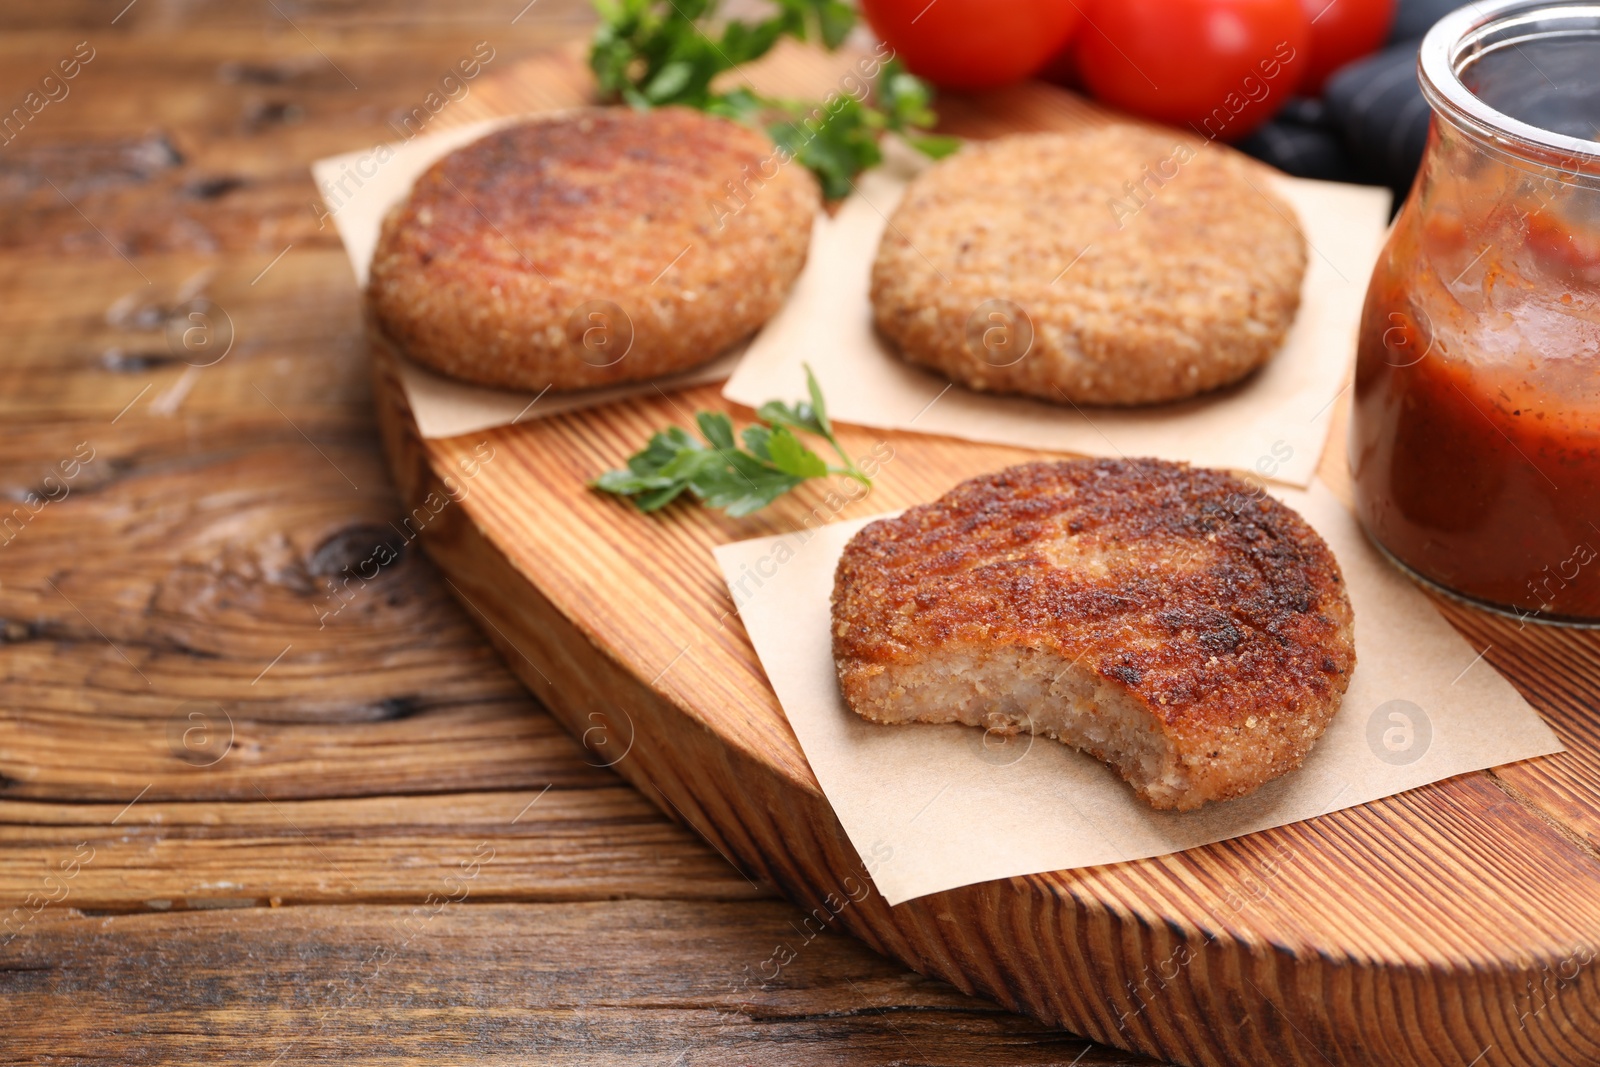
1377 108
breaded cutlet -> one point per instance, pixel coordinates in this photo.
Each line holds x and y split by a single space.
1190 631
600 246
1146 265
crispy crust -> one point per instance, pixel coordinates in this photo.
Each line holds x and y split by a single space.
1151 265
1214 608
492 269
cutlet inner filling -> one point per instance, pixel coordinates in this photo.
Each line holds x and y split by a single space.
1015 690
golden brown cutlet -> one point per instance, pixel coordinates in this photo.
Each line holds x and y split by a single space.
1148 266
1172 621
601 246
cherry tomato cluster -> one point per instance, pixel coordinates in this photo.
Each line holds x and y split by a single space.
1222 67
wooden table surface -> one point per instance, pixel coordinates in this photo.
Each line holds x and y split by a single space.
236 824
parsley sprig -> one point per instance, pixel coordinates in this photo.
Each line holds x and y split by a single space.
650 53
721 474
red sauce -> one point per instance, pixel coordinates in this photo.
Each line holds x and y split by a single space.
1475 443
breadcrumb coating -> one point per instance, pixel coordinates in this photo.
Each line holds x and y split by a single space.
588 249
1148 266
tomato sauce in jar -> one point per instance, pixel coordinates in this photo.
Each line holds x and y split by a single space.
1475 438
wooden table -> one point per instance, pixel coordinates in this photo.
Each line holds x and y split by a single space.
236 824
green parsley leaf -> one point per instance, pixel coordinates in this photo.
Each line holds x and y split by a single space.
792 457
720 474
651 53
819 407
716 428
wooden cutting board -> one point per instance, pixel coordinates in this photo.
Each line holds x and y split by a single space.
1455 924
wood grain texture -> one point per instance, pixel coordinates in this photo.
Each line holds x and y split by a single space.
161 855
646 983
376 754
1452 924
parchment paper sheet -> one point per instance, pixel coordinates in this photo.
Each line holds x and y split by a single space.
358 188
1274 423
946 806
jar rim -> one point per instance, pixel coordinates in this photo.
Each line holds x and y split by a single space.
1458 38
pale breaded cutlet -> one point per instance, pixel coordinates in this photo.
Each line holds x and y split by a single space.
1171 621
601 246
1150 266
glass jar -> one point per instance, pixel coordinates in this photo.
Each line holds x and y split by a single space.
1475 437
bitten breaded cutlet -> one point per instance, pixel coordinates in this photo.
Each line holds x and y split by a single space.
1173 622
602 246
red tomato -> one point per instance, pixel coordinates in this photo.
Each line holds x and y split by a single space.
973 44
1221 67
1342 31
